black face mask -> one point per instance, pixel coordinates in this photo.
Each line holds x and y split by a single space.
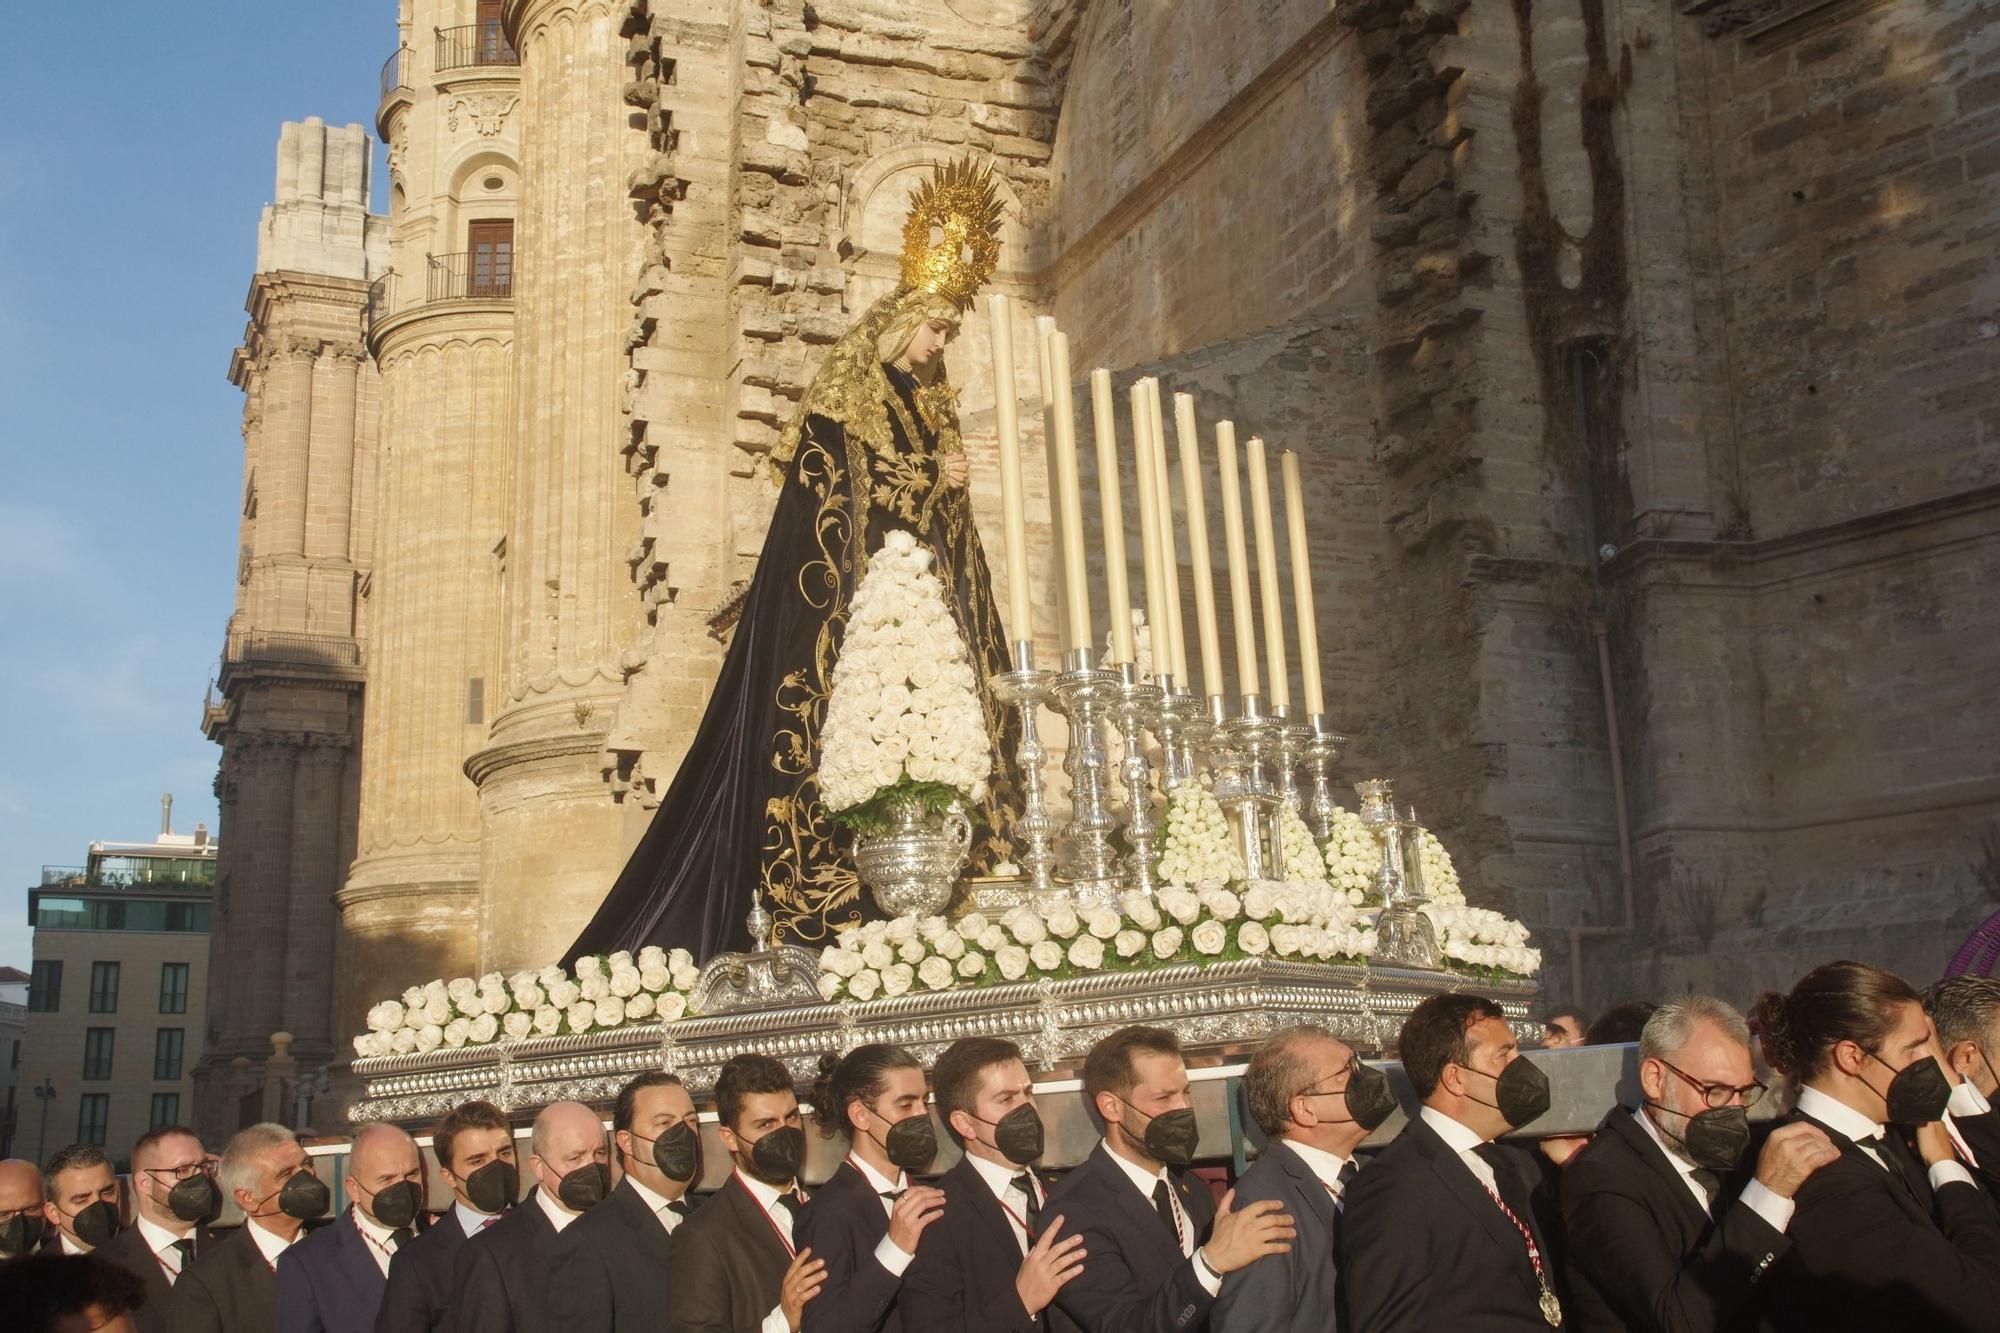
676 1153
396 1205
95 1223
911 1143
1171 1136
1715 1138
490 1188
775 1158
585 1187
21 1233
196 1199
1370 1099
303 1196
1919 1093
1018 1134
1520 1092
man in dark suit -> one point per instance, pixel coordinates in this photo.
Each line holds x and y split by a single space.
735 1266
1315 1101
232 1285
81 1189
605 1272
1661 1232
500 1279
21 1220
865 1222
1156 1244
475 1153
1883 1237
1442 1230
173 1194
988 1265
331 1282
1966 1013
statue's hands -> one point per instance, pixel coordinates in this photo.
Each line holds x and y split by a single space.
957 469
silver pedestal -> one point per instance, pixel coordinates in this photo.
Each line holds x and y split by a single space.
1137 704
1321 751
1025 690
1084 852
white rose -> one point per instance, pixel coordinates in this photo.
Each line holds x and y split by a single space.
610 1012
531 996
864 985
455 1032
900 929
1285 940
1222 904
1181 905
1062 922
386 1016
403 1040
654 979
1103 922
461 990
992 939
518 1024
413 998
625 982
898 979
829 986
581 1016
912 952
1012 960
437 1011
595 988
1028 928
652 956
484 1029
549 976
1046 956
839 961
878 954
972 925
1142 911
685 975
639 1006
588 967
1130 943
548 1019
1087 952
972 966
364 1045
1167 942
563 994
429 1037
1252 938
950 946
934 972
495 1002
1210 937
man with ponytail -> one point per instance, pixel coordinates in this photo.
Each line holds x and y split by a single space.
866 1220
1663 1230
1888 1236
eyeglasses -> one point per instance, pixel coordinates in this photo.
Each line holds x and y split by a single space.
179 1173
1719 1095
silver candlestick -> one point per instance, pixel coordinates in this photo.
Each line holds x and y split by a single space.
1136 704
1322 751
1243 782
1292 739
1084 852
1175 719
1025 690
1404 936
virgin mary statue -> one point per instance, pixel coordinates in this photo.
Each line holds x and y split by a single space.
874 447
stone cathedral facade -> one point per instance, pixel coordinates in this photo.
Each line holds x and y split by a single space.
1644 359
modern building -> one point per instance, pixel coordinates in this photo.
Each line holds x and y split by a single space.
13 1033
118 992
1645 395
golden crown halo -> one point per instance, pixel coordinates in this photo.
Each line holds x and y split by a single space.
951 240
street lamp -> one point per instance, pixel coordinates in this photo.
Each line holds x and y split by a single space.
44 1094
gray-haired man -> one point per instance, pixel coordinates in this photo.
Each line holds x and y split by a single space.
1664 1231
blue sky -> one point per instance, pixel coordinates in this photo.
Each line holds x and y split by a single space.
136 148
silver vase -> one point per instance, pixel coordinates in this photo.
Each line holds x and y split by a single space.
913 865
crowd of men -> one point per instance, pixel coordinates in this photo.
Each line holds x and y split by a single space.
1868 1204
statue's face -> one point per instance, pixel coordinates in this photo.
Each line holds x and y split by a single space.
927 342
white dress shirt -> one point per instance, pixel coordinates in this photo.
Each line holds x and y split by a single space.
1466 1143
781 1218
1144 1181
1773 1208
269 1243
161 1242
1965 1100
72 1246
1326 1165
380 1246
470 1220
559 1216
1841 1118
887 1253
999 1178
659 1203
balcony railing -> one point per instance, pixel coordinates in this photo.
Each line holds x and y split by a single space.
61 876
396 72
381 299
331 650
473 45
471 275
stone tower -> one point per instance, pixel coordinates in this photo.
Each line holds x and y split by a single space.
441 328
289 716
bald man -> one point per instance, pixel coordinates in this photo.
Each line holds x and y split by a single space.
331 1282
501 1277
20 1207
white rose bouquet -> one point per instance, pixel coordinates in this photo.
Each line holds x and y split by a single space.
1198 849
903 719
603 992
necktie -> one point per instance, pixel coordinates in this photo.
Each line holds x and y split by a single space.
1163 1204
791 1203
185 1248
489 1221
678 1207
400 1237
1031 1212
1710 1182
890 1195
1348 1171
